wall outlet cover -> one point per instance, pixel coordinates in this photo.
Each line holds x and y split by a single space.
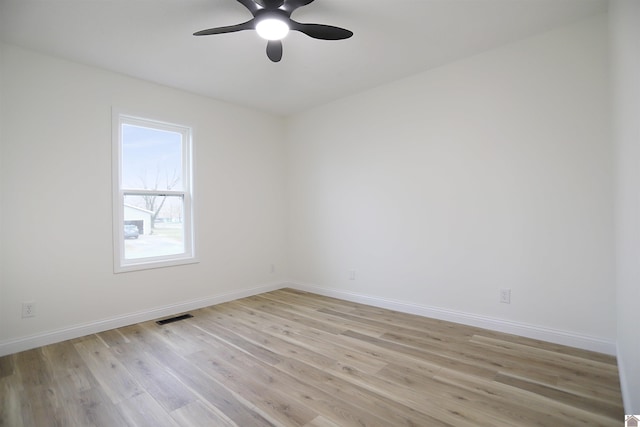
505 296
28 309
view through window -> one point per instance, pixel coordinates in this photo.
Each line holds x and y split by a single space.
153 197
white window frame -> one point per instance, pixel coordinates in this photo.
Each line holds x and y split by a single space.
121 264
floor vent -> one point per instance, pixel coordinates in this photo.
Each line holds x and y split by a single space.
173 319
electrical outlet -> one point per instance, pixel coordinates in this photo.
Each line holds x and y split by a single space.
28 309
352 275
273 268
505 296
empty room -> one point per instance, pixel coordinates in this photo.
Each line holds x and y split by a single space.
319 213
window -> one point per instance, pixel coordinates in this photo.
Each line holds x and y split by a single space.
153 212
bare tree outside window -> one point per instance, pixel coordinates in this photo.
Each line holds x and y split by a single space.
155 202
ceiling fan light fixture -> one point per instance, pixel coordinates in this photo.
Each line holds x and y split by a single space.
272 29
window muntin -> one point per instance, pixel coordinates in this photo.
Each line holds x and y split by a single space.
152 191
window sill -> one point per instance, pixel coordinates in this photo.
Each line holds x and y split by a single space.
148 265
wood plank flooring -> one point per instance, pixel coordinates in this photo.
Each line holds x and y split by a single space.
288 358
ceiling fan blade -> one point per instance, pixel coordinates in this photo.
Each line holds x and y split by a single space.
321 31
274 50
251 5
249 25
291 5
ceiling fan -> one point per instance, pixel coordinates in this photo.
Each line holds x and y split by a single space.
272 20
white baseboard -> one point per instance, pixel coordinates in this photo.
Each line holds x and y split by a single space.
76 331
525 330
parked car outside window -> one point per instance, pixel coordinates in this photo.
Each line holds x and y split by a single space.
131 231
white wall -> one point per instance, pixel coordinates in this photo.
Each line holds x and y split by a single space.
492 172
625 49
56 161
2 61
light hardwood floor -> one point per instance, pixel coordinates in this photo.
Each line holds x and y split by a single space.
289 358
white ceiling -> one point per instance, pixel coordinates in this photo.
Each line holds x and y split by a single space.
152 40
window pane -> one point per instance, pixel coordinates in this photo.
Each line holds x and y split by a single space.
151 158
153 226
